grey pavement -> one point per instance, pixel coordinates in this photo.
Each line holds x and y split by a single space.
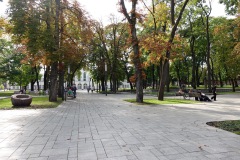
98 127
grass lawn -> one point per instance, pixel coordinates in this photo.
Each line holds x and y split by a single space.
166 101
6 93
37 102
231 126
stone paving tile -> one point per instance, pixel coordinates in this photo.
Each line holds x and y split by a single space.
118 153
145 154
87 156
33 149
19 152
54 152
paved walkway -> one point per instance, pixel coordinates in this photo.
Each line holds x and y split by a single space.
99 127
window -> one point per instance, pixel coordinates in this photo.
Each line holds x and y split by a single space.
84 76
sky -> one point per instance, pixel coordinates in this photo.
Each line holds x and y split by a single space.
101 9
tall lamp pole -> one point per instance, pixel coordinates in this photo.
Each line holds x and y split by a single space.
106 78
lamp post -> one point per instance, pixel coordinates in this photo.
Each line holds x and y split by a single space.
106 78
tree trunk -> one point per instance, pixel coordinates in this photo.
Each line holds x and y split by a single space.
33 80
233 85
212 72
46 78
235 82
132 19
32 85
61 80
54 66
209 81
192 42
37 76
163 79
103 84
53 82
153 77
220 79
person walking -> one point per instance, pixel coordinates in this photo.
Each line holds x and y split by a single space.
214 91
74 89
88 88
92 88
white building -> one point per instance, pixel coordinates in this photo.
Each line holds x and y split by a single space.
82 82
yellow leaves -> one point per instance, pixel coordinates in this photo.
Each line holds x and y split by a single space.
154 43
236 51
3 26
161 16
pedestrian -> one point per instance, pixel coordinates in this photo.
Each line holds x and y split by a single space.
88 88
92 88
214 91
74 89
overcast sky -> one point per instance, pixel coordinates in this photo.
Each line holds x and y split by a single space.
101 9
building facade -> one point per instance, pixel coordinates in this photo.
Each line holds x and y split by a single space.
81 82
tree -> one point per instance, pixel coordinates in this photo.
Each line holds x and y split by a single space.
49 29
116 40
160 42
13 70
132 20
231 6
226 48
165 71
108 46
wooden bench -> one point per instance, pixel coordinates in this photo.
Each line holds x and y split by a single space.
194 94
16 92
33 92
184 95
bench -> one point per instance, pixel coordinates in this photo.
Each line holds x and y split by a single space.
194 94
16 92
33 92
184 95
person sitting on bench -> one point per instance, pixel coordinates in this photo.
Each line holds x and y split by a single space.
70 92
204 97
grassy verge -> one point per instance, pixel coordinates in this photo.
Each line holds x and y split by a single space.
166 101
37 102
6 93
231 126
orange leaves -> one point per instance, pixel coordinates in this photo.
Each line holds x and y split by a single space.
156 45
134 78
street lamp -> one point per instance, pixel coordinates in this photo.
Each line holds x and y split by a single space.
106 78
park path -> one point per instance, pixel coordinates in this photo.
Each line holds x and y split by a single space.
98 127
